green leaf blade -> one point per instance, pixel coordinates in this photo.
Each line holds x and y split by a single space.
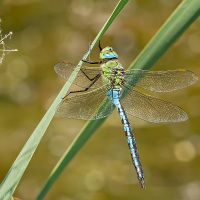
179 21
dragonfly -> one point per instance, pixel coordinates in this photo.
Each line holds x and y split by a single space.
111 86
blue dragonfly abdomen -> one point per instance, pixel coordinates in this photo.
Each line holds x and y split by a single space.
114 95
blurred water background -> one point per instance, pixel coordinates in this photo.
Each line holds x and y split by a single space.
46 32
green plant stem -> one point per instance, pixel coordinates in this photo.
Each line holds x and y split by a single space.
179 21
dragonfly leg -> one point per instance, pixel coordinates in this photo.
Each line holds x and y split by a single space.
100 46
89 61
87 88
89 49
91 79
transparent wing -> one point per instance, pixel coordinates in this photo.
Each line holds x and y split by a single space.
152 109
85 106
160 81
65 69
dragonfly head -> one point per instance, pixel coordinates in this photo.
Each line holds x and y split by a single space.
108 53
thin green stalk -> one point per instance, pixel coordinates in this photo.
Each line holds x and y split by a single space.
186 13
179 21
16 171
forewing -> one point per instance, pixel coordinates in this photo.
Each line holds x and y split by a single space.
85 106
152 109
84 77
160 81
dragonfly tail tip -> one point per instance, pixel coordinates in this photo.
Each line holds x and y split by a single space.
142 184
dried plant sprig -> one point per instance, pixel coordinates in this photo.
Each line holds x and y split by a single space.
3 44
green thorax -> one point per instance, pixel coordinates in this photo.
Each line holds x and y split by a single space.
113 72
